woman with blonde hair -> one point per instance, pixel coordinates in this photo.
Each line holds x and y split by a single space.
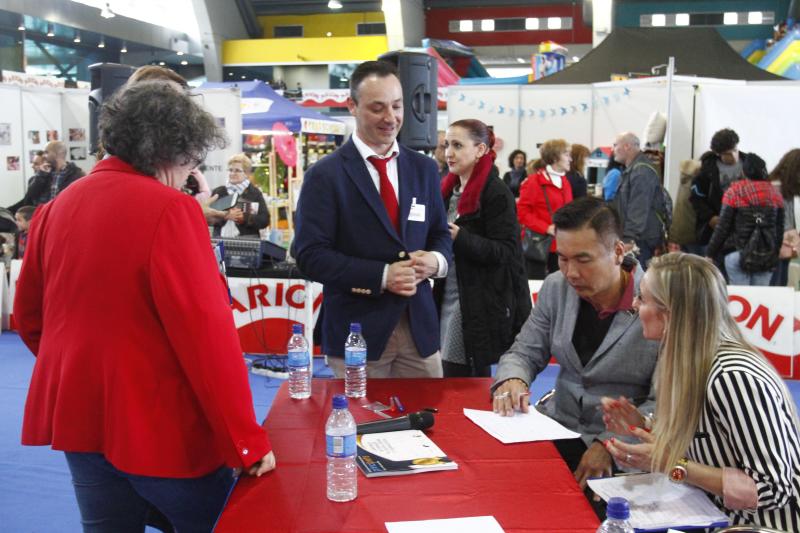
724 420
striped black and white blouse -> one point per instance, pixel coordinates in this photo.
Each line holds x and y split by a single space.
748 423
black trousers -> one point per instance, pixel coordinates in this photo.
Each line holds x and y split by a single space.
456 370
572 451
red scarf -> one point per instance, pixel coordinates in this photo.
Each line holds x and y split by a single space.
470 197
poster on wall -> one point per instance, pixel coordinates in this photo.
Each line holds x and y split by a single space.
33 135
77 135
32 155
12 162
52 135
77 153
5 133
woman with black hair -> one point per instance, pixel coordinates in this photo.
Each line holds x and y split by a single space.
514 177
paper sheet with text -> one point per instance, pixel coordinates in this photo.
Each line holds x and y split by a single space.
522 427
657 503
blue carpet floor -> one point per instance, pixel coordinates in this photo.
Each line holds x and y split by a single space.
35 490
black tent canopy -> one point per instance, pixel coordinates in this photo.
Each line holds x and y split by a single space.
697 52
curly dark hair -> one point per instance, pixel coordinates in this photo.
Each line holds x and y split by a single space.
152 124
724 140
514 154
788 173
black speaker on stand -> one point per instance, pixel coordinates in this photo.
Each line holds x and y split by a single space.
106 79
419 77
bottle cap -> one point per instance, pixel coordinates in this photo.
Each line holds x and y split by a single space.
340 402
355 327
297 329
618 508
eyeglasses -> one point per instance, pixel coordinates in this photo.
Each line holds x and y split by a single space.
235 171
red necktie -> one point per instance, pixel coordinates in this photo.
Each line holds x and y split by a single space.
387 191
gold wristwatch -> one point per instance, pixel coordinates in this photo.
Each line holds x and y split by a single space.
679 472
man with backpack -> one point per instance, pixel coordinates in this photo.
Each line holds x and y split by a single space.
752 210
641 200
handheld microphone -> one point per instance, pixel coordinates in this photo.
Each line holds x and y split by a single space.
418 420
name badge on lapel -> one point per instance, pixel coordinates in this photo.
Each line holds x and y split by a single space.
417 212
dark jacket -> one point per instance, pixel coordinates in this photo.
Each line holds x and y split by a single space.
706 196
640 200
578 183
69 174
38 191
514 178
492 284
742 203
252 223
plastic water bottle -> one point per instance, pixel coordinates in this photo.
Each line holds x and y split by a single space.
617 514
299 362
355 363
340 443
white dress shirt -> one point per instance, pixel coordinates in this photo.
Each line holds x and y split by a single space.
391 172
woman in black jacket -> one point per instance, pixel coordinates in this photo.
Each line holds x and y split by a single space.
514 177
484 300
250 214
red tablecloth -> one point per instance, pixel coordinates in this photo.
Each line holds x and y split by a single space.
526 487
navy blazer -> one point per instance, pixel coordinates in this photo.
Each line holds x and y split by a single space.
343 239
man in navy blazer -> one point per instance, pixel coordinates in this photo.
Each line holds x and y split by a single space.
371 228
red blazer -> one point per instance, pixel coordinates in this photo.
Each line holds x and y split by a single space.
531 207
137 355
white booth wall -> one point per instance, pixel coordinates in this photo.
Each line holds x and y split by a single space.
765 115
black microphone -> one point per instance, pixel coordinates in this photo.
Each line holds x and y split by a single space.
418 420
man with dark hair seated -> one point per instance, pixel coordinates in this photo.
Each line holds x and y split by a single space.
583 317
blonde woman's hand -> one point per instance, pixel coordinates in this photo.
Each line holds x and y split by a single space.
621 416
639 456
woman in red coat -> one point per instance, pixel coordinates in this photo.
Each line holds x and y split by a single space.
139 375
547 186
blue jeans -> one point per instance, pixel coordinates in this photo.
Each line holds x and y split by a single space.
115 502
737 276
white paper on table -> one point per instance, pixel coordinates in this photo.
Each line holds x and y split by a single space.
657 503
522 427
474 524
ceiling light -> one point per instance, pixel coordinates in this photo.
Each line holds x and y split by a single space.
487 25
230 73
464 25
658 20
102 43
124 49
575 59
329 34
243 77
755 17
531 24
180 53
50 31
554 23
21 26
682 19
730 18
520 60
161 63
106 12
184 62
334 4
77 37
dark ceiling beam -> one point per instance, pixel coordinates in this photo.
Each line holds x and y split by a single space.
249 18
311 7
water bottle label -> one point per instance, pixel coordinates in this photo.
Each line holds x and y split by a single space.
298 358
355 357
341 446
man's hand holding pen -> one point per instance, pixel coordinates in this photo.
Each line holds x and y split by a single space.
511 395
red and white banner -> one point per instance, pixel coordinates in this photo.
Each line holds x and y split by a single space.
338 97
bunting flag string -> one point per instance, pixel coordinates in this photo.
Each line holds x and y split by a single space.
546 112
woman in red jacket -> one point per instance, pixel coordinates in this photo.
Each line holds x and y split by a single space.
541 195
139 376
